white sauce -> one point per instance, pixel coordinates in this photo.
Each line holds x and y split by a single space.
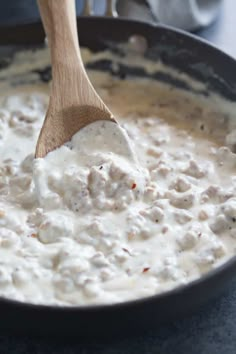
86 225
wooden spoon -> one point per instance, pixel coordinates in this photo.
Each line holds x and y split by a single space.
74 102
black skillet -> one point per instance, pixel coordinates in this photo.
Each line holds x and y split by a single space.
187 54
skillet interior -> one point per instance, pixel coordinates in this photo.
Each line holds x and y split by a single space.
186 54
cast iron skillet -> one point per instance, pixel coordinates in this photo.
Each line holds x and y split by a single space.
187 54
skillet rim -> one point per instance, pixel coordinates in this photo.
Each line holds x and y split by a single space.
221 270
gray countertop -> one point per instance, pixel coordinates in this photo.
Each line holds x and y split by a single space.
211 330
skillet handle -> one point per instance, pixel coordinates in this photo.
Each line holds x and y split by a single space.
109 12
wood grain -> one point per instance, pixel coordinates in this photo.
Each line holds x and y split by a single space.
73 102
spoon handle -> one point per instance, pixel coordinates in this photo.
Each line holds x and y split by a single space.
70 80
59 20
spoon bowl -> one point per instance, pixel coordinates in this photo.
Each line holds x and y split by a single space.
73 102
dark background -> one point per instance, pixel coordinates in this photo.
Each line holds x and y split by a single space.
211 330
222 32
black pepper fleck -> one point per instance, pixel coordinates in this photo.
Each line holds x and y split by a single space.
202 127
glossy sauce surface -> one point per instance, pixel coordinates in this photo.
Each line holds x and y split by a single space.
86 225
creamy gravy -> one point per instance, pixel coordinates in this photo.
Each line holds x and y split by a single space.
87 225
